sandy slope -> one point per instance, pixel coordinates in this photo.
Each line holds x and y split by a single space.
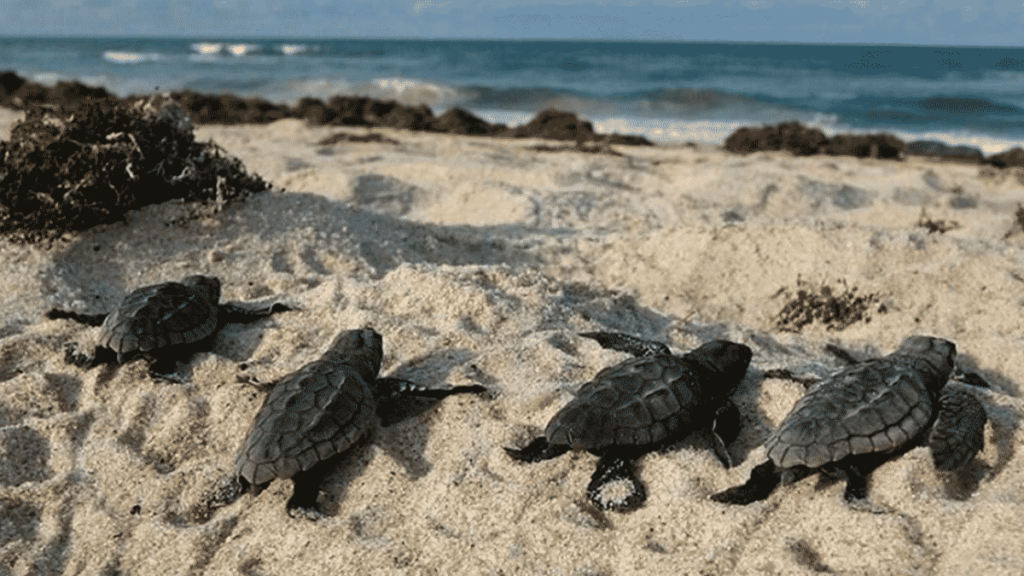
479 260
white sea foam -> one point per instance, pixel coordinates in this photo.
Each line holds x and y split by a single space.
509 118
412 92
242 49
207 48
46 78
124 57
670 131
292 49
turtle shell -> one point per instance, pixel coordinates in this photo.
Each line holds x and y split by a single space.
877 406
161 315
313 413
647 399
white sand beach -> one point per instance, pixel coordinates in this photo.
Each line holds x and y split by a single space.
480 260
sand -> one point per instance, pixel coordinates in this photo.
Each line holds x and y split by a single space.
480 260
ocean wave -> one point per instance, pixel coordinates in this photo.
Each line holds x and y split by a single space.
405 91
322 88
207 48
214 49
125 57
46 78
295 49
242 49
412 92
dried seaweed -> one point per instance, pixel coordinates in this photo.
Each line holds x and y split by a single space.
68 168
823 304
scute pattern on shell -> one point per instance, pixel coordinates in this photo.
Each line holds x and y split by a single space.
638 402
872 407
309 416
157 316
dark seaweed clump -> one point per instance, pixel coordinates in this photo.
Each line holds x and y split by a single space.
836 310
792 136
89 161
803 141
932 226
346 137
19 93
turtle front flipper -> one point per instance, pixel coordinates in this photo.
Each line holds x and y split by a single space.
763 480
628 344
536 451
242 313
306 489
390 387
87 319
724 429
611 468
959 431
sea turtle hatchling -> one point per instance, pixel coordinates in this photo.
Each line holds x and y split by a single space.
166 322
641 404
315 413
868 413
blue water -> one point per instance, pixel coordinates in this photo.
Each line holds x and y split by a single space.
666 91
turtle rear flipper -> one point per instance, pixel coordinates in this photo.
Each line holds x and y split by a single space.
306 489
537 450
959 431
628 344
612 468
389 387
763 480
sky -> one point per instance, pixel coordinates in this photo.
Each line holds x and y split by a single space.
918 22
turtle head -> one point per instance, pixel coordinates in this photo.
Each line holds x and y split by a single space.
938 353
729 359
208 285
361 349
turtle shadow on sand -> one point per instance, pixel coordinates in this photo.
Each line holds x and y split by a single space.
205 242
335 238
401 432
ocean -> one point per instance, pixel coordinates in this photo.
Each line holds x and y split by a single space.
666 91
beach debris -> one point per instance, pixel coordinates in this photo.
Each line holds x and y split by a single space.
89 161
166 322
640 405
1018 222
315 414
824 304
339 137
583 147
867 414
940 226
